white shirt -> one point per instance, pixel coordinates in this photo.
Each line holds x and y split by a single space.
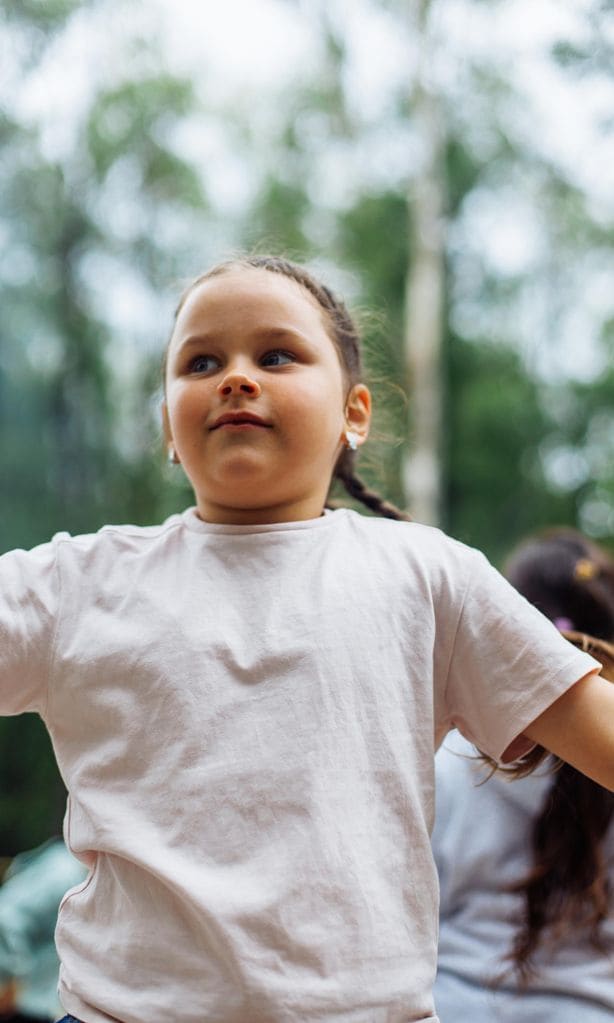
245 718
482 847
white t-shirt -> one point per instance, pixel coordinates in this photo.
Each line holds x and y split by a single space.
245 718
481 842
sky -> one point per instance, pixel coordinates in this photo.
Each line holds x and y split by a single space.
251 50
246 54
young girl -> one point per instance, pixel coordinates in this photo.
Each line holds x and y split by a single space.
245 701
526 869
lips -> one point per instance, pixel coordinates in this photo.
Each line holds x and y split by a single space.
239 419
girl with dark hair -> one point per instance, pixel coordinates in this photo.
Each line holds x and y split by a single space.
245 700
526 869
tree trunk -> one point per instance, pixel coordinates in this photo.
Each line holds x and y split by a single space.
424 293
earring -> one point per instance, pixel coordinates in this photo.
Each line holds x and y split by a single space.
351 439
172 456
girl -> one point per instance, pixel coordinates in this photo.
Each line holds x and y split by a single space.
526 870
245 701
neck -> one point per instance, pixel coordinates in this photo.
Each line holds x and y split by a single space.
297 511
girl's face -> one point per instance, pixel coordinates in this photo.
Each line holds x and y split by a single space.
256 401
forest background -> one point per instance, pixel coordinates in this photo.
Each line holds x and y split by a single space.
445 164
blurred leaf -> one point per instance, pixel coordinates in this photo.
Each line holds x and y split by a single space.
40 14
59 415
496 489
136 118
277 219
570 56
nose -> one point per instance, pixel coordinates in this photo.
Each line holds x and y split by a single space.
236 382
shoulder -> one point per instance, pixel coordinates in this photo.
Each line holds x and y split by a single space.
89 551
127 537
441 562
411 536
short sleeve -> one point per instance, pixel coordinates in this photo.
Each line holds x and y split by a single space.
29 597
508 664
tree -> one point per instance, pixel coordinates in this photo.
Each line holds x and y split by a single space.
335 181
77 223
471 148
425 286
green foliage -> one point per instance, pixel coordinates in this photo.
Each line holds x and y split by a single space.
372 240
39 15
569 55
585 432
32 797
496 491
133 120
277 222
75 451
59 418
370 243
462 172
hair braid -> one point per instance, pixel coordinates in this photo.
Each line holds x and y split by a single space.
571 580
357 488
568 884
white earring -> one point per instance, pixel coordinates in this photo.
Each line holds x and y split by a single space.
351 439
172 456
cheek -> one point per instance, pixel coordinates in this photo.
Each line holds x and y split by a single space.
326 391
319 413
331 402
185 417
186 403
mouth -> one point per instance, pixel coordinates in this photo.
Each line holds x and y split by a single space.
240 421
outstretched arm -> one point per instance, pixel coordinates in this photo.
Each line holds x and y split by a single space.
579 728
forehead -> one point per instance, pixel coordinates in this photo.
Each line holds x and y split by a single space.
250 299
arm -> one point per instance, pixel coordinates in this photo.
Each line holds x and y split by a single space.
579 728
29 604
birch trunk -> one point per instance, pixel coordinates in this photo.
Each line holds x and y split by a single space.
424 295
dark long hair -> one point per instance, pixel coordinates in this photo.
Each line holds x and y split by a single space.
571 581
346 339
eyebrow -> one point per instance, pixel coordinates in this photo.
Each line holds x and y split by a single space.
262 333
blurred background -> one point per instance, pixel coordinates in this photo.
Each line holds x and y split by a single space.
447 165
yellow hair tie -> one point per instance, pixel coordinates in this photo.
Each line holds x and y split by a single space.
585 570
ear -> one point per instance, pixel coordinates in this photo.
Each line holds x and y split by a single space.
358 412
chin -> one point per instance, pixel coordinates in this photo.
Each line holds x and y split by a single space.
248 490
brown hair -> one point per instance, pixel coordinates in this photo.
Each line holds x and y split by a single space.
345 337
571 581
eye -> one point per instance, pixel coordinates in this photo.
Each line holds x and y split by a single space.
277 358
203 364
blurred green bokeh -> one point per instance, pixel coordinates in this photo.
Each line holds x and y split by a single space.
99 232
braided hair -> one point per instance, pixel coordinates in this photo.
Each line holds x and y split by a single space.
345 337
571 581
